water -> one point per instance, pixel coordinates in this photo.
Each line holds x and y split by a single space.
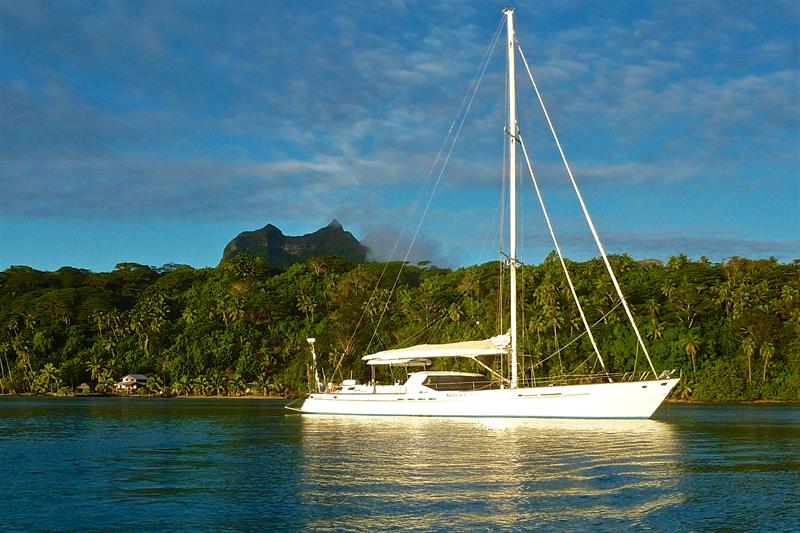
99 464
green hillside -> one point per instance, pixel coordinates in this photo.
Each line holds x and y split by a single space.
732 329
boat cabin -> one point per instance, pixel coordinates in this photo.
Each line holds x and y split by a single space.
458 381
421 382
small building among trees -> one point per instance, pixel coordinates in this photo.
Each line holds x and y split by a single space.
132 383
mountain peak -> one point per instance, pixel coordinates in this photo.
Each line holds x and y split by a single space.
282 250
270 228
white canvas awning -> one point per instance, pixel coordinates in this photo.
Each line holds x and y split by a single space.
494 346
400 362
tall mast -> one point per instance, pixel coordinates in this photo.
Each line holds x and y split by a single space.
512 187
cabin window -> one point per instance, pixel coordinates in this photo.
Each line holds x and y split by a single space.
459 383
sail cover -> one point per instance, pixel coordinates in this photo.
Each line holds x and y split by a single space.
495 346
405 361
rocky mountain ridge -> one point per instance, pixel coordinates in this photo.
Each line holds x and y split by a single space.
282 250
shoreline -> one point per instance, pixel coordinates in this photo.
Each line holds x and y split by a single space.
718 402
165 396
294 397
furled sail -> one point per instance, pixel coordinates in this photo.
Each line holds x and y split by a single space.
494 346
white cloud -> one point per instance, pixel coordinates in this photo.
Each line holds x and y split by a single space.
251 112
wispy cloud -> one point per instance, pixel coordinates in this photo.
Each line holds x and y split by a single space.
249 112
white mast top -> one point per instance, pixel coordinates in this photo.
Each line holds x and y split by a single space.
512 187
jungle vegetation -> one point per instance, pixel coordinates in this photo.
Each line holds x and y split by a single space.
732 329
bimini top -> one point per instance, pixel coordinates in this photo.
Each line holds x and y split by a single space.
402 361
495 346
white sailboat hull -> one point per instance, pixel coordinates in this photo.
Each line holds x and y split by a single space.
638 399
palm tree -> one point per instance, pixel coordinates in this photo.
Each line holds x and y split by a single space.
181 386
767 350
95 367
236 385
114 322
537 324
235 309
749 348
307 306
691 345
668 289
105 382
148 319
555 319
155 386
21 346
112 365
377 302
654 330
683 390
317 265
3 349
230 309
741 298
723 295
469 284
188 315
677 262
99 319
263 383
48 378
200 385
217 382
455 313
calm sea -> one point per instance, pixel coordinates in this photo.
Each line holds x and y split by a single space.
100 464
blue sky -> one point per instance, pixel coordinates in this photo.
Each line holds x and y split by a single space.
155 132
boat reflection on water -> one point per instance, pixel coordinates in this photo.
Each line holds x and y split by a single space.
375 472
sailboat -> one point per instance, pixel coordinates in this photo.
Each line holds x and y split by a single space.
491 394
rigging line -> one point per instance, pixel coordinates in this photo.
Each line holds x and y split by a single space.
573 341
462 295
521 256
520 260
578 367
586 215
424 186
411 339
484 247
560 256
499 210
504 173
503 207
411 212
482 70
437 321
489 238
402 232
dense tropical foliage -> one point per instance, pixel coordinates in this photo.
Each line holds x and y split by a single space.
731 329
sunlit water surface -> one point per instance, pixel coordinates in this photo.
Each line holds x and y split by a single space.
99 464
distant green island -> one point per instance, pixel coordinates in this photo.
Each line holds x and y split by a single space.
731 329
